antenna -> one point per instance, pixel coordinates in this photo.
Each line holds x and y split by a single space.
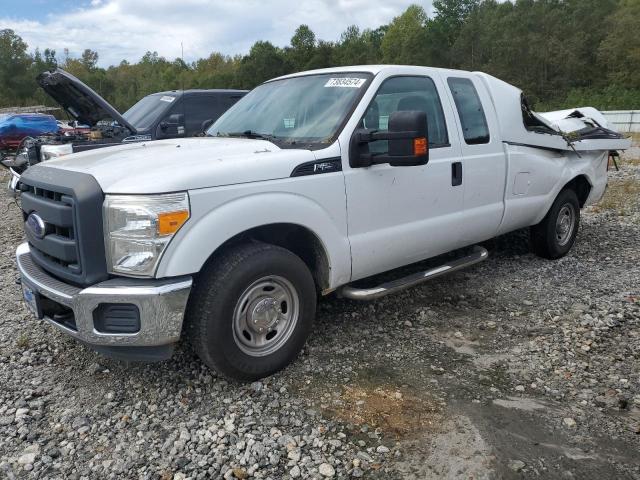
182 58
184 108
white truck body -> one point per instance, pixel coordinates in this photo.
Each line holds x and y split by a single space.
237 184
366 220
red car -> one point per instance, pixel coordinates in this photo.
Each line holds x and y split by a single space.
14 127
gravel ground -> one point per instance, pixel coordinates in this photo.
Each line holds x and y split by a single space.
516 368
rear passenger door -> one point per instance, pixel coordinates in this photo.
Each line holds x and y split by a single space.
484 172
399 215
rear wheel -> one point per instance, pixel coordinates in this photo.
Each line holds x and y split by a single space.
251 311
554 236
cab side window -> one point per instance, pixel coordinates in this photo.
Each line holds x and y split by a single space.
199 109
469 106
402 94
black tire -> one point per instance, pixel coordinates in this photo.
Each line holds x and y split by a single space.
547 237
210 319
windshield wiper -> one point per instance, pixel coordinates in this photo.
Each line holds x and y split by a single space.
248 134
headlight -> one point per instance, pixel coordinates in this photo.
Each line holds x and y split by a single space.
138 228
47 152
22 157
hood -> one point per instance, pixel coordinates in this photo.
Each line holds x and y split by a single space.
183 164
78 100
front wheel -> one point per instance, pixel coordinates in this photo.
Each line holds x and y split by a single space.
554 236
251 311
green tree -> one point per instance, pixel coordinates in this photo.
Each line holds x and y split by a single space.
350 49
14 69
546 47
264 61
323 55
41 62
215 71
443 29
619 51
89 59
303 44
358 48
406 38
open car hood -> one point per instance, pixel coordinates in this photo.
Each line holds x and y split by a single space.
78 100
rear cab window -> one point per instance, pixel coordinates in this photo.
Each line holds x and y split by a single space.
472 118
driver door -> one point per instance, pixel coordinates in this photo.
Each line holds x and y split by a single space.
400 215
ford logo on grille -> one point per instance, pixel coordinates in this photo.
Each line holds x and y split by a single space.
36 225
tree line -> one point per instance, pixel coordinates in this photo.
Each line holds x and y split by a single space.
562 53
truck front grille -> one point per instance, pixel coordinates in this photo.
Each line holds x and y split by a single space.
65 234
58 245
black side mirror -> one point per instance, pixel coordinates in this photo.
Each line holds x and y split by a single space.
408 142
173 120
172 126
206 124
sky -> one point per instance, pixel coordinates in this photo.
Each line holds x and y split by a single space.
126 29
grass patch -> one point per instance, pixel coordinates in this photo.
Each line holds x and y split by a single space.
620 197
397 412
378 399
22 341
635 162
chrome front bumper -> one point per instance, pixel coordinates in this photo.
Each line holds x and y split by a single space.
161 304
12 186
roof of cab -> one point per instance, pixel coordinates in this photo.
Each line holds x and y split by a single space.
374 69
201 91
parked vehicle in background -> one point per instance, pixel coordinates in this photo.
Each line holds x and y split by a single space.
97 124
15 127
160 115
72 128
312 183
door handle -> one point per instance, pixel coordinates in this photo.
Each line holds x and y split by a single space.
456 174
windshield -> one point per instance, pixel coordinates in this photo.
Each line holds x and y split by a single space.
307 109
146 111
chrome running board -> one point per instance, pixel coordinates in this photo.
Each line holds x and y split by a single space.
478 255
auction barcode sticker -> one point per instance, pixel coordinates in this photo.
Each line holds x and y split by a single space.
345 82
167 98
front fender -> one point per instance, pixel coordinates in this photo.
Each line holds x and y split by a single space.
208 228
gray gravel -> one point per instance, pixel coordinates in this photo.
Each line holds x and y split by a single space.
516 368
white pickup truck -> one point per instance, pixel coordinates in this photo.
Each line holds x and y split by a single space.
311 182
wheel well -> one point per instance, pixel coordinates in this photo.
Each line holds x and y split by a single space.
582 187
295 238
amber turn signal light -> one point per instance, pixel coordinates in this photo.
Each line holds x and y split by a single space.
170 222
420 146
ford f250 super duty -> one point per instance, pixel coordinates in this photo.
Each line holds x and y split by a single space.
310 183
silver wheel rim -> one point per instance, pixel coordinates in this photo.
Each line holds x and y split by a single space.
265 316
565 224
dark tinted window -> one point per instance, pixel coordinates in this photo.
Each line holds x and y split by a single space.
199 109
472 119
401 94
